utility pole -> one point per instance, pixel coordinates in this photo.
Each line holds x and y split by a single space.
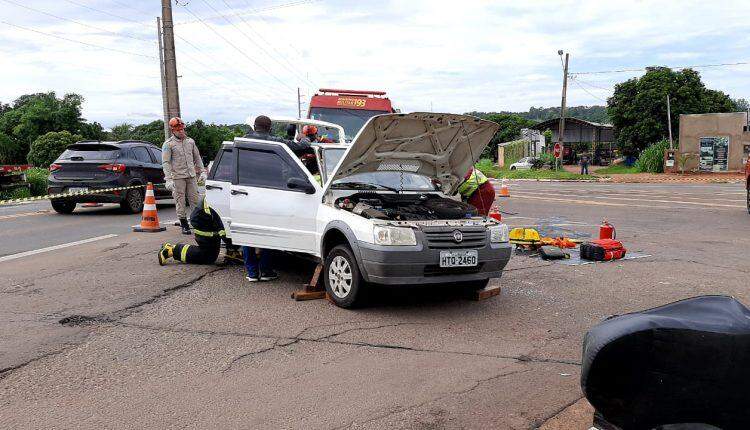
669 123
299 104
171 90
561 129
165 106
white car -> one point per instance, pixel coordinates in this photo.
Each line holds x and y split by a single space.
525 163
383 211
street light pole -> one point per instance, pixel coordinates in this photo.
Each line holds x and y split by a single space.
669 124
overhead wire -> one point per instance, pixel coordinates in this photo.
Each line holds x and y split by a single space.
83 24
641 69
264 9
236 48
575 81
289 66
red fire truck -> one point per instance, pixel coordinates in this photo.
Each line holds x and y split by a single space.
348 108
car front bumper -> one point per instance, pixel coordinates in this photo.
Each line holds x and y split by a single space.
421 265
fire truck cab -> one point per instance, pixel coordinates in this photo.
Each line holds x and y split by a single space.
348 108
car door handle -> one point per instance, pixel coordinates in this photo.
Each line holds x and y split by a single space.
235 192
214 187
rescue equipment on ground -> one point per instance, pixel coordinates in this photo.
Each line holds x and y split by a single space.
560 242
524 236
504 192
495 213
552 252
607 230
149 219
602 250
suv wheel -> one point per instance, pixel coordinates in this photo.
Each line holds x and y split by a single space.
342 278
63 206
512 167
133 202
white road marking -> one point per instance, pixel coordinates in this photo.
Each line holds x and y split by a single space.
20 215
56 247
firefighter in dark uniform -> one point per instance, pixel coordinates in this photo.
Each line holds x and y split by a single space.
209 232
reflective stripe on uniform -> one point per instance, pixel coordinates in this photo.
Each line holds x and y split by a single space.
183 254
206 209
470 186
206 233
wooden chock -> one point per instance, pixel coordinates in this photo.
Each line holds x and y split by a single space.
312 290
484 293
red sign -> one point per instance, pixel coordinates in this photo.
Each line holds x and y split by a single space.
558 150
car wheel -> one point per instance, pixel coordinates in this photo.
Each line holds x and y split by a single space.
343 281
133 202
63 206
512 167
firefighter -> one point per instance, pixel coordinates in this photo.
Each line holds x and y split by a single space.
182 167
209 232
309 134
477 191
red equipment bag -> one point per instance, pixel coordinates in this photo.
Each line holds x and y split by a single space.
602 250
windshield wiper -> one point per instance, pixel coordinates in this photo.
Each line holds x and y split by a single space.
363 186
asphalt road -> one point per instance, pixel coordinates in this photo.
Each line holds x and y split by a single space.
98 335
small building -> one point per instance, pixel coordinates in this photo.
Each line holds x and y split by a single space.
720 142
582 136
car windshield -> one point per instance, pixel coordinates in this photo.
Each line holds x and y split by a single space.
351 120
90 152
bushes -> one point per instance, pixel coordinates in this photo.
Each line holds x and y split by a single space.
15 193
45 149
37 179
651 159
514 151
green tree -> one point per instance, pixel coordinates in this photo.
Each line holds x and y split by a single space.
92 131
741 105
33 115
45 149
638 106
510 129
208 137
10 150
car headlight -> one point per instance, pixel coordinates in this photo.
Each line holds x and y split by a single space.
499 233
394 236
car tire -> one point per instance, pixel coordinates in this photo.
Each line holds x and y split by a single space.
512 167
343 282
477 285
63 206
133 202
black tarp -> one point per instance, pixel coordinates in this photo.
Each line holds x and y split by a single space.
685 362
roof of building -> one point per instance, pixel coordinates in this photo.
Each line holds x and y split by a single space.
551 122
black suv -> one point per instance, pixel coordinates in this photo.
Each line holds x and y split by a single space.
89 165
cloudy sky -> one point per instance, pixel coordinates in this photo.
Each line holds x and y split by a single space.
244 57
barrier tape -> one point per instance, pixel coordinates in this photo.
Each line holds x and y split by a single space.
71 194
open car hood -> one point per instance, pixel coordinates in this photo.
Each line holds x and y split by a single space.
438 145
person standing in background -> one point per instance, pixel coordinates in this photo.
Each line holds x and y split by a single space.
183 168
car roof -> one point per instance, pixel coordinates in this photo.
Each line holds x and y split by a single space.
123 143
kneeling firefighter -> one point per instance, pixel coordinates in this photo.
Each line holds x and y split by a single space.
477 191
209 232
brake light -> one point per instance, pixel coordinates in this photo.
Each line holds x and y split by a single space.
54 167
115 167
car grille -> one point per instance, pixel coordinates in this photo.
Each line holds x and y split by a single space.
436 270
442 238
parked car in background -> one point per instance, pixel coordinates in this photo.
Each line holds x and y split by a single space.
525 163
91 165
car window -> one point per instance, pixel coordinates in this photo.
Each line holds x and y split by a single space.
222 167
141 154
266 169
155 154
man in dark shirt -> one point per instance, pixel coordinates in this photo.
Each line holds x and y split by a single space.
262 131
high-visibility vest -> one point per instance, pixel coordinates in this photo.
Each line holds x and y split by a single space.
470 185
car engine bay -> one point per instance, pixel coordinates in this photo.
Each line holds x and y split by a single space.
405 207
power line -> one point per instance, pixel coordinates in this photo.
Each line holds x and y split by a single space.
642 69
93 45
77 22
593 86
265 9
236 48
290 67
587 91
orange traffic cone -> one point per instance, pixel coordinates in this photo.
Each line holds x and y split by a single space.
150 219
504 192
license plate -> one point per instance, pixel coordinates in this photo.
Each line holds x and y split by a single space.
78 190
459 258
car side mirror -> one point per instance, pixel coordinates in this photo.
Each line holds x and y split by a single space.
300 184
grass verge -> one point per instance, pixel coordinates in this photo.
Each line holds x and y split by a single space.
490 170
617 169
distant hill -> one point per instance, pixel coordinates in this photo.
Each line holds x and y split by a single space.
540 114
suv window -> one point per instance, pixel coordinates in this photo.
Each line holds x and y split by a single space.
222 168
141 154
155 154
266 169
